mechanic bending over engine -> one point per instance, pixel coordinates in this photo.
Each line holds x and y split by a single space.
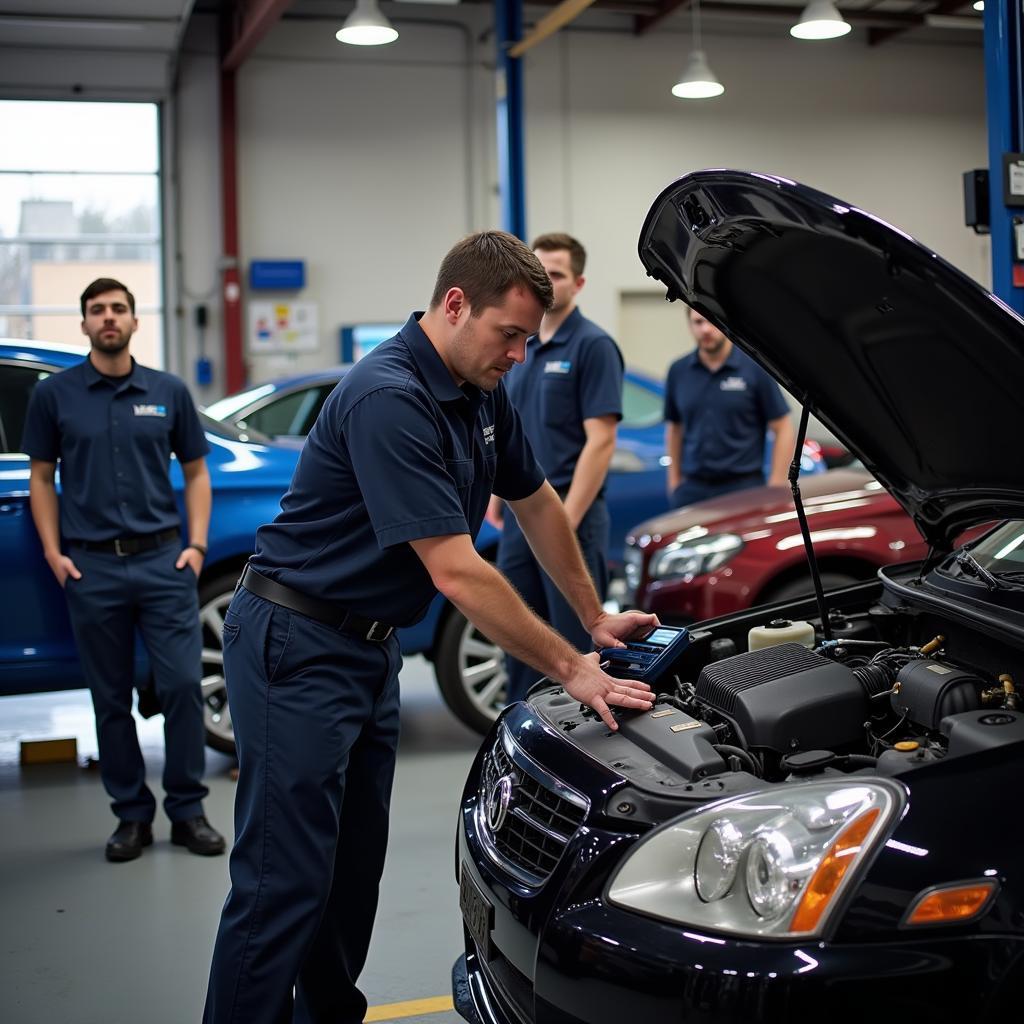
388 494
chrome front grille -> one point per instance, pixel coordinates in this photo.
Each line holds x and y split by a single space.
525 816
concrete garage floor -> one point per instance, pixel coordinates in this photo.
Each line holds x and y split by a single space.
87 942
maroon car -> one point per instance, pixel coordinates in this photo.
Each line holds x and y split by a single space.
727 553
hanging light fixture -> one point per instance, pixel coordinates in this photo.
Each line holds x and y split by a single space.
820 20
366 26
698 81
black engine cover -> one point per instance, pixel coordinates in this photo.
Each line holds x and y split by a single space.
786 698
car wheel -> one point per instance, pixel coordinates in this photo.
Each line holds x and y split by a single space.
470 672
214 598
803 587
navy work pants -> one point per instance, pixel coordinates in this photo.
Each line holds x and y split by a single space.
115 596
694 489
517 562
315 713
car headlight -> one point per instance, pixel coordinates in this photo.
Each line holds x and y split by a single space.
632 564
694 557
771 864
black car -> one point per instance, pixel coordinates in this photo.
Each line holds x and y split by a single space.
825 830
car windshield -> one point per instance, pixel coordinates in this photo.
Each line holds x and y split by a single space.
1002 551
229 430
226 407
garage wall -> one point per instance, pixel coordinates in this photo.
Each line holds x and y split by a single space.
363 164
195 167
368 165
890 129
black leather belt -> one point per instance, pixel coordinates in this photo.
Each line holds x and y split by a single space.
322 611
123 546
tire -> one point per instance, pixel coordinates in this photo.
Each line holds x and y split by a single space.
214 598
470 673
803 587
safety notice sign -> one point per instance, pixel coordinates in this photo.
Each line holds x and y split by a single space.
283 327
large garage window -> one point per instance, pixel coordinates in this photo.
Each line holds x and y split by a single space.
79 199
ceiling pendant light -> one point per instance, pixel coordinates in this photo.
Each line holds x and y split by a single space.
366 26
698 81
820 20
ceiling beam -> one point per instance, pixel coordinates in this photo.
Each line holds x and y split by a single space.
884 19
645 22
254 21
566 11
877 36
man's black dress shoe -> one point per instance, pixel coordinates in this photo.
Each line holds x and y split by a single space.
128 840
198 835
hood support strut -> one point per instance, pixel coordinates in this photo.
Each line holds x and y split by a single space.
812 561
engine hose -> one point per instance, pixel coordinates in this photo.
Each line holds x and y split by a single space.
858 760
669 698
727 751
876 679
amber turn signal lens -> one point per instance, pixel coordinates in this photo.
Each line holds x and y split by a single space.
953 904
826 880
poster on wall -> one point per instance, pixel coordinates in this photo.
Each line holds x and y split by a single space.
283 327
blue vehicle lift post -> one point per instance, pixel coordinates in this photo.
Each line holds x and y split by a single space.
508 24
1004 88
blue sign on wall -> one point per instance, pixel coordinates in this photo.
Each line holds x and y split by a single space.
277 275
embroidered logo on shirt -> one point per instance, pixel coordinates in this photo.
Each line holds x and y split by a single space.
733 384
489 434
557 366
149 410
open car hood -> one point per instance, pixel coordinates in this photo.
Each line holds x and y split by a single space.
913 365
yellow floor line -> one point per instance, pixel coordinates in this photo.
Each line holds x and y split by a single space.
410 1008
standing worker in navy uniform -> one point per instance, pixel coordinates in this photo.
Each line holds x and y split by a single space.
568 393
718 405
391 487
113 425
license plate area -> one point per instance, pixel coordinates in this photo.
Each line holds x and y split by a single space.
477 912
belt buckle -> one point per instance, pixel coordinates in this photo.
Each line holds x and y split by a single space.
118 549
373 635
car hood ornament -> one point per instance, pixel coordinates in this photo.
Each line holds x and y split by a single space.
497 801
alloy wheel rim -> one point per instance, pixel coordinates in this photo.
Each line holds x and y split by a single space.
216 714
482 671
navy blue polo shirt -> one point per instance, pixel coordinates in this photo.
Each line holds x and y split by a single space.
113 440
724 414
575 376
399 452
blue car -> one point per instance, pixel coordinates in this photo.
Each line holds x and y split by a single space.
37 651
249 473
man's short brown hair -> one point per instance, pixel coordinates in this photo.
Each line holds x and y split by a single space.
485 266
101 286
556 241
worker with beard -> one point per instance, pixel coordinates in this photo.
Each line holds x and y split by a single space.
388 495
113 539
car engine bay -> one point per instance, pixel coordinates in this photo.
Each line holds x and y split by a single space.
896 689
